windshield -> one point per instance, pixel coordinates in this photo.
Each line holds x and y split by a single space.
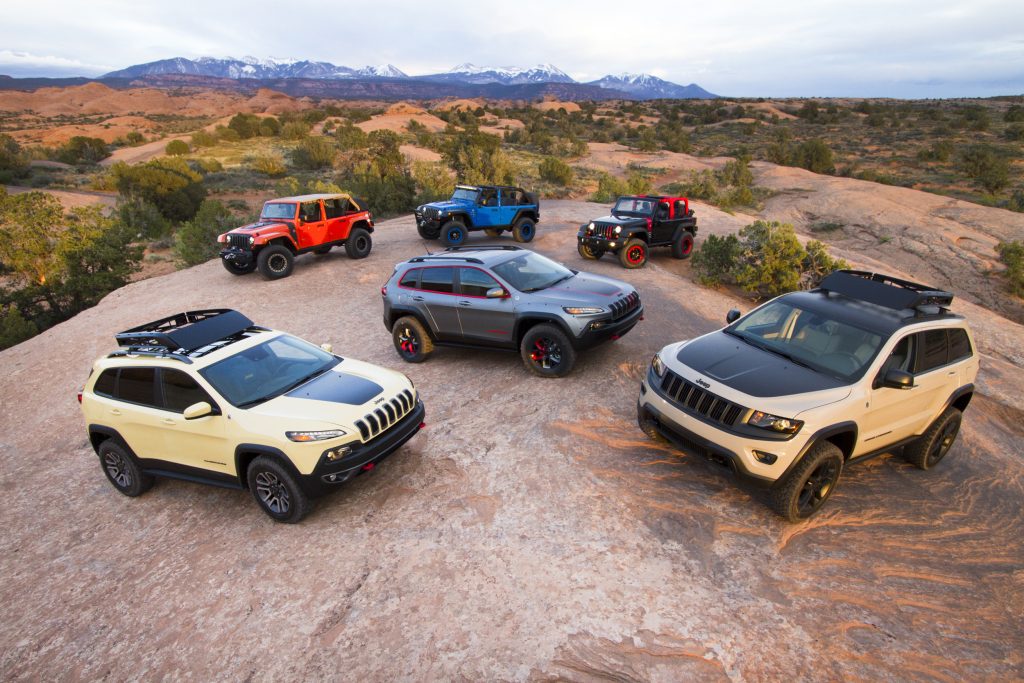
465 194
531 272
809 338
262 372
278 211
636 205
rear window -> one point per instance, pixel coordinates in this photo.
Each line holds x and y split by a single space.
106 383
959 344
411 279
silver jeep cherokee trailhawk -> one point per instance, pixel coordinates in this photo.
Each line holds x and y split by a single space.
811 381
506 298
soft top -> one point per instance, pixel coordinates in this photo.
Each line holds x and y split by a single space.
360 204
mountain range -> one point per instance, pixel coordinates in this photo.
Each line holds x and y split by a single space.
385 79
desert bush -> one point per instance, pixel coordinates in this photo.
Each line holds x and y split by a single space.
225 134
314 152
169 184
83 150
941 150
13 159
817 263
14 329
270 127
477 158
1014 114
814 155
609 188
271 165
1015 132
246 125
350 136
142 218
378 174
638 182
985 166
555 171
1012 256
714 260
203 138
295 130
209 165
433 182
176 148
195 241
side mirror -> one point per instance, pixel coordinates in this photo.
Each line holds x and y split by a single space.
732 316
198 410
327 347
496 293
898 379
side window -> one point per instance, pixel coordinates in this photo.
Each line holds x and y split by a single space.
334 208
310 211
901 357
411 279
181 391
106 384
934 350
473 282
437 280
959 345
138 385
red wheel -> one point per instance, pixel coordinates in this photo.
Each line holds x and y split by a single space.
682 247
633 253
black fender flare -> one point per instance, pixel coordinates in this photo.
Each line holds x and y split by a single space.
532 319
361 223
402 311
100 433
526 213
458 216
823 434
245 453
965 390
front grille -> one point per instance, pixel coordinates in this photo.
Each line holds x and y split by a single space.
431 214
625 305
606 231
238 241
385 416
695 400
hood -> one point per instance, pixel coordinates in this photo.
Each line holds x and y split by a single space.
450 204
584 289
720 357
619 220
259 225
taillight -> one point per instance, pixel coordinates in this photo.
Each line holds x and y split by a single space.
79 396
384 290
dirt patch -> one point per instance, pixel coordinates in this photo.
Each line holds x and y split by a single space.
555 105
414 153
458 105
398 116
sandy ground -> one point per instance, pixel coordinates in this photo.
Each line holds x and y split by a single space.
531 532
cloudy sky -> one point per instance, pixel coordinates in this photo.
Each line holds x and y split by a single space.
893 48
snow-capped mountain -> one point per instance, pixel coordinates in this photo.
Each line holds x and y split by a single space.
506 75
647 87
382 71
229 67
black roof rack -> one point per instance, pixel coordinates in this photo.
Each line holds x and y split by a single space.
887 291
450 253
487 247
178 335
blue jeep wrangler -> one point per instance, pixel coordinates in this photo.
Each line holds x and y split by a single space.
491 208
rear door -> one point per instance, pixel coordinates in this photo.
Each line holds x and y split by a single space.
664 223
484 320
509 200
437 295
336 223
133 411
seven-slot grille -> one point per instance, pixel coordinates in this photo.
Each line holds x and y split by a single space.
625 305
238 241
386 415
431 214
692 399
606 231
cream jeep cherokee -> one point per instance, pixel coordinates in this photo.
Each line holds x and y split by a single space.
207 396
791 393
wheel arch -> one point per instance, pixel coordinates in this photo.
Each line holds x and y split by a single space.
245 453
960 398
361 223
842 435
397 313
531 320
283 241
100 433
462 217
526 213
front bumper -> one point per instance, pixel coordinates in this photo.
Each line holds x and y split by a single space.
607 329
329 474
240 257
600 243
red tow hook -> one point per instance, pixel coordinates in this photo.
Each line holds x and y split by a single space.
368 466
423 425
615 337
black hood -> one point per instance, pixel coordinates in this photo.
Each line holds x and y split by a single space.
338 387
620 220
746 368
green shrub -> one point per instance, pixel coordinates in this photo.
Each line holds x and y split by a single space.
14 329
195 241
433 182
176 148
609 188
1012 255
314 152
556 171
715 259
83 150
295 130
203 138
134 138
638 182
985 166
271 165
815 156
817 263
1015 133
350 136
270 127
169 184
143 218
1014 114
225 134
246 125
13 159
209 165
477 158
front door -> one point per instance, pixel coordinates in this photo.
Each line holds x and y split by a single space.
199 443
312 227
484 320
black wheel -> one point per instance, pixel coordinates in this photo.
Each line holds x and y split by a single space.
633 253
412 341
588 253
810 483
359 243
320 251
236 269
453 233
547 352
524 230
276 492
493 232
275 262
122 471
682 244
932 446
428 233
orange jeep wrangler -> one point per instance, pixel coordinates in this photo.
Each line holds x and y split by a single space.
295 225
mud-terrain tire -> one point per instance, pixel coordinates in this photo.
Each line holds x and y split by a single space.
320 251
547 351
633 253
234 269
682 244
122 471
428 233
932 446
453 234
411 339
493 232
276 491
806 488
358 244
588 253
275 262
524 229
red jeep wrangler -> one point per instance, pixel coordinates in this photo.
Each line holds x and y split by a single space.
295 225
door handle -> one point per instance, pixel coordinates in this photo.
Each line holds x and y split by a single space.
169 421
417 298
115 411
465 303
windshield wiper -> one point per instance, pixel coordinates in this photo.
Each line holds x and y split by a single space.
285 390
769 349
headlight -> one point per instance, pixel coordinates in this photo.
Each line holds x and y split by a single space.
775 423
590 226
303 437
251 239
618 229
582 310
657 365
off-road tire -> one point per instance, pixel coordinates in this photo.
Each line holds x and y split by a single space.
547 351
493 232
275 262
358 244
428 233
633 253
453 233
588 253
411 339
932 446
524 229
806 488
682 244
320 251
275 490
122 471
236 270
